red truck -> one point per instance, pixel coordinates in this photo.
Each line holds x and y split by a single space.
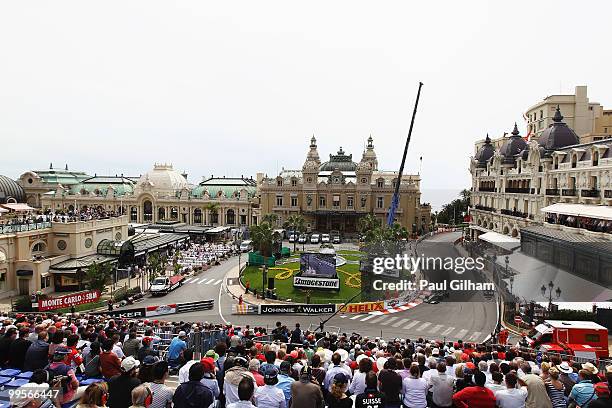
164 284
578 338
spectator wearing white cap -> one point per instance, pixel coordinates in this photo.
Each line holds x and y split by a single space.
177 346
120 386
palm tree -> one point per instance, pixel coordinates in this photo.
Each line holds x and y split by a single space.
370 228
213 208
297 223
264 239
465 196
270 218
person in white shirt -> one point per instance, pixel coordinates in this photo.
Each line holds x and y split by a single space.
358 384
246 389
431 364
483 367
497 382
414 389
337 368
511 397
270 396
441 386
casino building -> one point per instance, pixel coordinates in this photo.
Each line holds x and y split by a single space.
161 195
334 194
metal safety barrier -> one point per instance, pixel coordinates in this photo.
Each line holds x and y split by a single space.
193 306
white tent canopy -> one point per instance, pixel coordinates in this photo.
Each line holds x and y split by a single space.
500 240
602 212
20 207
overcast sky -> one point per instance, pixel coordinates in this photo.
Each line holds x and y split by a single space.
232 88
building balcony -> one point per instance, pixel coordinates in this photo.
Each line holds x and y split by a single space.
12 229
484 208
487 189
568 192
514 213
591 193
520 190
552 191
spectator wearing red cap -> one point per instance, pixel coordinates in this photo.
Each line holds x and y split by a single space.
602 391
209 379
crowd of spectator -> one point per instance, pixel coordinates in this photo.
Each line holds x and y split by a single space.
64 216
591 224
281 368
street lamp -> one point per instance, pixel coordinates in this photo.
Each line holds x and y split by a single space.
511 284
550 288
507 260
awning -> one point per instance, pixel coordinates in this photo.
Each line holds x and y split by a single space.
21 207
24 272
602 212
73 264
217 230
500 240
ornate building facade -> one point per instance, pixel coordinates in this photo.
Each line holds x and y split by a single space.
333 195
513 179
161 194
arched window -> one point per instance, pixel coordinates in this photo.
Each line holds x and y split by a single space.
133 214
39 248
595 158
574 160
148 211
230 217
174 213
161 213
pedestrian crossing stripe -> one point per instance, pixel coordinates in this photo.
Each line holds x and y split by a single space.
447 331
424 326
368 317
399 323
389 320
461 333
411 324
356 317
435 329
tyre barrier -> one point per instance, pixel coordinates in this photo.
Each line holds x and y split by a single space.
245 309
193 306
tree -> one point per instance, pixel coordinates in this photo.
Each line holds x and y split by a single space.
98 276
453 212
213 209
297 223
157 264
270 218
264 240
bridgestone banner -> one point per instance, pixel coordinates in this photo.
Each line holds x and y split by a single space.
296 309
316 283
68 300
